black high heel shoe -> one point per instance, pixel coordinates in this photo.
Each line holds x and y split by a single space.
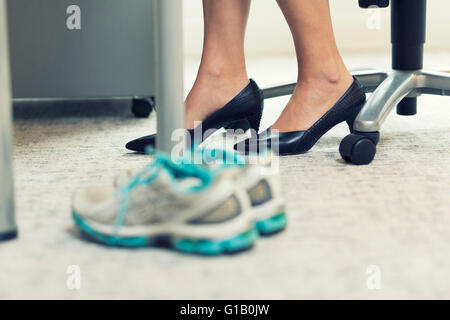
242 113
296 142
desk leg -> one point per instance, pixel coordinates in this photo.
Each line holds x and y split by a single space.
169 65
8 228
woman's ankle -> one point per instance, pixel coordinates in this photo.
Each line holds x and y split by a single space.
219 66
328 74
222 74
312 98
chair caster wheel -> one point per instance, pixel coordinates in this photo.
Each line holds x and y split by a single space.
142 107
358 148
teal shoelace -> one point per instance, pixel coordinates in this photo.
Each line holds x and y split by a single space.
176 172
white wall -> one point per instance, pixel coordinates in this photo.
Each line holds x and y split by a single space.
268 33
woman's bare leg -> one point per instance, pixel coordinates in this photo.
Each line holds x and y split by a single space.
322 75
222 73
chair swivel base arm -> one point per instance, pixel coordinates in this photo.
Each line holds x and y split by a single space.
389 89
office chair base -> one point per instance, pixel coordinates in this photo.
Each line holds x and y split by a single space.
390 89
401 89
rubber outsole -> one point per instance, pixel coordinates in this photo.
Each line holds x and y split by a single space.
272 225
238 243
235 244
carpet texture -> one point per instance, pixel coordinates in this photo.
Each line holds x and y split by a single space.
393 214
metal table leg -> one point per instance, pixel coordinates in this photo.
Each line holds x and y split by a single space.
8 228
169 65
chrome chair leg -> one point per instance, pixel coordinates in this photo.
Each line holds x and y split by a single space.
398 85
388 94
369 79
431 82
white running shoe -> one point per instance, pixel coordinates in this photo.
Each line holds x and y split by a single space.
260 180
184 206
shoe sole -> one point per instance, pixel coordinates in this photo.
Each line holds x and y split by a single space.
271 225
238 243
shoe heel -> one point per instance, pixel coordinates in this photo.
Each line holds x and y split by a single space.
350 124
254 121
351 120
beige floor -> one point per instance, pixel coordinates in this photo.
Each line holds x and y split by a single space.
393 214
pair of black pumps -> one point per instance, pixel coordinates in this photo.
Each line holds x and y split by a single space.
244 112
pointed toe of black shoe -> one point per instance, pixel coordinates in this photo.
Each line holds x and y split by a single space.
243 112
140 144
280 143
256 144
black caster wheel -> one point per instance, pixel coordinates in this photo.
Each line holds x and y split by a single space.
8 235
142 107
358 149
378 3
